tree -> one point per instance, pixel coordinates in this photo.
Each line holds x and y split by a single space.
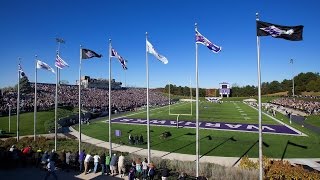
25 86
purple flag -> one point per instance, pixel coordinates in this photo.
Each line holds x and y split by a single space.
203 40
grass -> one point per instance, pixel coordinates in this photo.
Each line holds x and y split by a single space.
221 143
26 122
313 120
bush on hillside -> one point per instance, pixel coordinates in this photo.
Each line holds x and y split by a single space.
279 169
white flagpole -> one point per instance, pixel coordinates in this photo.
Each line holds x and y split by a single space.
169 99
259 106
56 109
148 121
18 102
191 95
197 112
80 100
35 101
9 117
291 60
110 143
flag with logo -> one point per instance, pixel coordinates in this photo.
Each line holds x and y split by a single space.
87 54
151 50
22 74
200 39
291 33
43 65
122 61
60 63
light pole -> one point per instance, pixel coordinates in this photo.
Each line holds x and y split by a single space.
291 61
9 116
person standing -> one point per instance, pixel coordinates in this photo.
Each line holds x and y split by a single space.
87 160
96 159
103 163
82 155
108 168
121 167
145 169
113 164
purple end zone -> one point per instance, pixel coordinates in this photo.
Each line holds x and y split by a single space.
274 129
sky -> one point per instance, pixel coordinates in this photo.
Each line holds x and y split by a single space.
29 28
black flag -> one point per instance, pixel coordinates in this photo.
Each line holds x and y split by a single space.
87 54
292 33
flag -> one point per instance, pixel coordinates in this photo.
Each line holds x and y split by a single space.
42 65
87 54
292 33
122 61
203 40
151 50
21 71
60 63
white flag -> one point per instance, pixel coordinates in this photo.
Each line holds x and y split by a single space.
42 65
151 50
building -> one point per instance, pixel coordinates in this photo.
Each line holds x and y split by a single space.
100 83
224 89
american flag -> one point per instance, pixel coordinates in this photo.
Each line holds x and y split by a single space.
60 63
203 40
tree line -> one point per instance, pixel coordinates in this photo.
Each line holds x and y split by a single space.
309 82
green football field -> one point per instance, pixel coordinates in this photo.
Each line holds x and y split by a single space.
212 142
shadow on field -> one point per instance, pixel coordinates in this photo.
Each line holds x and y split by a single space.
184 146
210 138
292 144
265 144
167 140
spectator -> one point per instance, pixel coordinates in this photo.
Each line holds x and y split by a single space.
103 163
82 156
113 164
121 167
87 160
108 167
96 159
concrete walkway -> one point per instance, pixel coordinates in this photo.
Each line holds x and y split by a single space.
224 161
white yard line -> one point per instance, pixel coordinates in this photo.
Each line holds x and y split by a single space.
280 122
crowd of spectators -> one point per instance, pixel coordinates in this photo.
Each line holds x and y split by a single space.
92 99
307 106
84 162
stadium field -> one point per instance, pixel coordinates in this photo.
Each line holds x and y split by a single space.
213 142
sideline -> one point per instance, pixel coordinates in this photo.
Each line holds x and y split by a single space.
280 122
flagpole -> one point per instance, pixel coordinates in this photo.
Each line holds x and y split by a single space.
18 102
9 117
56 109
169 99
148 121
291 60
259 106
110 143
197 112
35 100
59 40
80 100
191 95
